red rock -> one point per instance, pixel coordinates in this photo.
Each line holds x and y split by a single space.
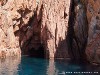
93 47
54 27
10 20
27 25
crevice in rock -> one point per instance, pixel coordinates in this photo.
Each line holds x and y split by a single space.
34 41
3 2
77 31
71 29
30 34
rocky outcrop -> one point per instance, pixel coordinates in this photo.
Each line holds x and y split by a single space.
93 15
77 30
54 27
14 15
84 30
49 29
26 27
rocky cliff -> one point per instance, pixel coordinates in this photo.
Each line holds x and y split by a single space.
50 29
14 16
26 27
54 27
93 15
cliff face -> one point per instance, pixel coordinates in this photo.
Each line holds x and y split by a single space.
52 29
26 27
84 40
77 30
93 15
14 15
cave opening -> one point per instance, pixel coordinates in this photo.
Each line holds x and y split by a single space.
37 53
35 50
30 41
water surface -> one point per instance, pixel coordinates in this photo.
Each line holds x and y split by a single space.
39 66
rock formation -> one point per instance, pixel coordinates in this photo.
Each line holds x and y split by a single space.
26 27
54 27
50 29
77 30
93 15
14 14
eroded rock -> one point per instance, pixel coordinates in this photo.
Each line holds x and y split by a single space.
93 15
14 15
54 25
62 28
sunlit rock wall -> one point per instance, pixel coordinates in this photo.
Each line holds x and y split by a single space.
55 14
26 25
14 14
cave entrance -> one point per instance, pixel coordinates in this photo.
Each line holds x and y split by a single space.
30 37
37 53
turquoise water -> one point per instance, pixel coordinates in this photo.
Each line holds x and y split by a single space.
39 66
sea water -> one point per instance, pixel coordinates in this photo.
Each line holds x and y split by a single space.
39 66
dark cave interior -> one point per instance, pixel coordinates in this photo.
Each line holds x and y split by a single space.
39 53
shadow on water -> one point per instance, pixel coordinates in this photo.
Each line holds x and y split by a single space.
39 66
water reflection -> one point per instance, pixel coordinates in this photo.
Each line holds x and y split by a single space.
33 66
51 70
9 66
38 66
